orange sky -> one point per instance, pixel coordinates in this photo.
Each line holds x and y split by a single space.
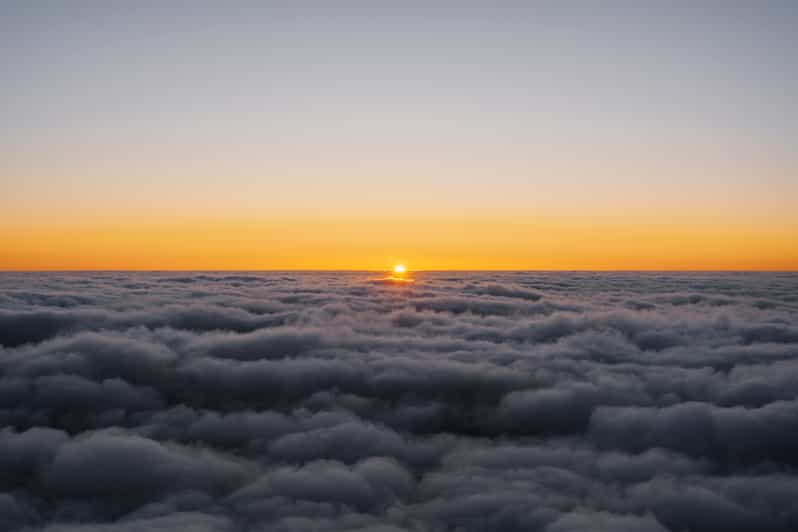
92 207
377 244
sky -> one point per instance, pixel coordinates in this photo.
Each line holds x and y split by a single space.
354 135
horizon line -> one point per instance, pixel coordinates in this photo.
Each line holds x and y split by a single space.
346 270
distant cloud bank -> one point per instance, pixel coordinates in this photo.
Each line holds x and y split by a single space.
327 401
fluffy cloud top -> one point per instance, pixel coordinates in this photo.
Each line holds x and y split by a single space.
327 401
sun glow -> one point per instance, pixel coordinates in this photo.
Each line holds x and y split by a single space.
398 275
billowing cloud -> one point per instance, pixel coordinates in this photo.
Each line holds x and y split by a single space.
475 402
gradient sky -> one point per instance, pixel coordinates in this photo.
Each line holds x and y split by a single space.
464 135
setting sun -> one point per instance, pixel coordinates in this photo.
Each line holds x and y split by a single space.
399 269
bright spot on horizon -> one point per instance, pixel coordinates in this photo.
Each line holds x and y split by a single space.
399 269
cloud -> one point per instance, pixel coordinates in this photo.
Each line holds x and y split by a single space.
736 433
603 522
101 464
324 401
186 521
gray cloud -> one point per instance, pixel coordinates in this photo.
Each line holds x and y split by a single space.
326 401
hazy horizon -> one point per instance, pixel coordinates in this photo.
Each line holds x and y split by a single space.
387 270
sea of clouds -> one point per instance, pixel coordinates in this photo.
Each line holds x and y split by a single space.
344 402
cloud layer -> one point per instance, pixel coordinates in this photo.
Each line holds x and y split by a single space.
335 401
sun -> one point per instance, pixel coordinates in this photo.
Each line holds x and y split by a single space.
399 269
